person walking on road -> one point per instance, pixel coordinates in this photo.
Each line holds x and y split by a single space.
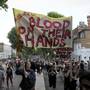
67 78
9 75
52 77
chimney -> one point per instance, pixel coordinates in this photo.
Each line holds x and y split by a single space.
88 21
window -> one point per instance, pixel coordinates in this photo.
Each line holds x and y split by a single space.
89 58
82 35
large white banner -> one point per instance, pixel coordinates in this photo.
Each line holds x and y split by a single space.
44 32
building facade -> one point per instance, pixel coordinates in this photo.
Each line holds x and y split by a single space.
5 51
81 41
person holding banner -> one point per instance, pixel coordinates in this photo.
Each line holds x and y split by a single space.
28 76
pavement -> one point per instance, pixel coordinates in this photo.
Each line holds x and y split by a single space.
59 82
40 85
41 82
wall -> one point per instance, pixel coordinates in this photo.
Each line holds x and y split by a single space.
81 53
6 53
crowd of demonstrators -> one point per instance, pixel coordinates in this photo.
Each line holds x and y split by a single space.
39 67
6 74
27 70
20 67
73 72
70 71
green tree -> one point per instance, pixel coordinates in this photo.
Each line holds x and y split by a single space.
12 36
55 15
3 4
14 39
26 52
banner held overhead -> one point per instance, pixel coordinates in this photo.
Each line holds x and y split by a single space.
41 31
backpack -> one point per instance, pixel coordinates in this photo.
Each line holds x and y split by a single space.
31 78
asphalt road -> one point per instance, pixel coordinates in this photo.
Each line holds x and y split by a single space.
59 82
17 79
16 82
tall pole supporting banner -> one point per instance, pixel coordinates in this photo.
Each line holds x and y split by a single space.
17 32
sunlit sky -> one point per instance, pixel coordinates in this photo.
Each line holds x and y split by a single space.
78 9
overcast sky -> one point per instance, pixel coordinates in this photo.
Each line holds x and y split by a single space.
78 9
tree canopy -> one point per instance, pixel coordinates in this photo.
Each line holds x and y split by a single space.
3 4
55 15
14 39
12 36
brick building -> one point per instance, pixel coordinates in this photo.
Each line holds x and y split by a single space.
81 41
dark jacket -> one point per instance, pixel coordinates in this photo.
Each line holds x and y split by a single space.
25 84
